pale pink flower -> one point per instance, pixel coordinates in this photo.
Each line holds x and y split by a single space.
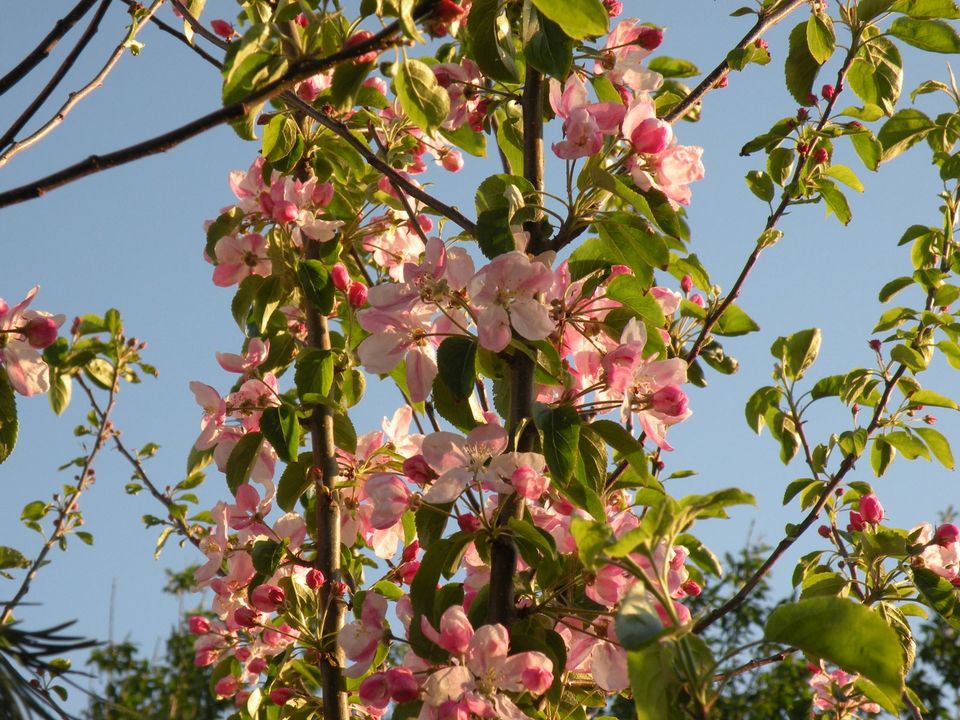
26 369
359 639
585 123
506 293
238 257
943 559
836 692
671 172
626 48
460 461
641 127
390 498
461 81
255 355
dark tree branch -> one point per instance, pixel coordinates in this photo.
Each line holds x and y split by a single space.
40 53
765 21
299 71
64 68
170 30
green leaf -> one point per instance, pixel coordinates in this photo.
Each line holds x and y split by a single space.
561 435
545 46
869 9
294 482
578 18
441 558
637 622
430 522
906 128
421 97
8 417
930 35
939 594
654 681
735 321
876 74
344 433
315 280
266 556
281 429
893 287
801 66
591 538
908 445
491 41
928 8
820 37
459 411
843 174
938 444
12 558
929 397
760 184
868 148
836 201
797 352
279 137
315 372
672 67
845 633
346 83
631 293
242 459
457 365
497 199
61 388
780 164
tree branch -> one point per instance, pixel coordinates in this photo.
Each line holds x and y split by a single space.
170 30
46 46
65 66
76 97
765 21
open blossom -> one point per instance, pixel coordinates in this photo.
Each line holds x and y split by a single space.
239 257
622 58
649 388
506 293
584 124
22 334
255 355
460 461
671 172
359 639
939 557
478 687
836 693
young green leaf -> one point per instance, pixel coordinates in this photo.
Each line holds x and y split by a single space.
421 97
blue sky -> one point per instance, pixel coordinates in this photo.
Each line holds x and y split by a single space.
132 238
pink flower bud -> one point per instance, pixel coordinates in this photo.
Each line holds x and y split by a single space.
871 509
41 331
947 535
357 38
315 579
301 20
417 469
408 571
357 294
453 161
246 617
811 99
455 630
222 28
338 588
856 522
410 551
468 523
613 8
686 284
802 114
670 400
267 598
285 212
377 84
227 686
257 665
199 625
205 657
242 653
649 38
402 684
280 696
375 691
692 588
340 276
828 92
697 299
824 531
930 419
240 699
821 156
309 90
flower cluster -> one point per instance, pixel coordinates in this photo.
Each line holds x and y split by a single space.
23 333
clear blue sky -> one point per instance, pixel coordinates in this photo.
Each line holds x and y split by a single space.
131 238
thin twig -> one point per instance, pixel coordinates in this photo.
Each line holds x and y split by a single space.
161 143
786 200
139 470
404 200
62 524
754 664
765 21
198 27
170 30
46 46
76 97
338 128
54 81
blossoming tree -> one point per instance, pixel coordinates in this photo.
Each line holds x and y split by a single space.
508 543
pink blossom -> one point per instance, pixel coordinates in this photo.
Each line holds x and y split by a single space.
585 123
238 257
870 509
255 355
627 46
461 82
227 686
281 695
359 639
390 498
671 172
22 333
223 28
199 625
505 293
456 632
403 684
836 690
641 127
460 461
943 559
267 598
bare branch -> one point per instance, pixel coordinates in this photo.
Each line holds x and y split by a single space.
298 71
64 68
198 27
40 53
170 30
765 21
83 92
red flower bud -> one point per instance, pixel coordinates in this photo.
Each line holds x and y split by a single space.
856 522
357 294
827 92
821 156
246 617
41 331
357 38
649 38
267 598
223 28
199 625
947 535
691 588
280 696
824 531
340 276
402 684
871 509
315 579
301 20
686 284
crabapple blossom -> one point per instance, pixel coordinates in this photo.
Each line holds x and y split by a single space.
22 333
239 257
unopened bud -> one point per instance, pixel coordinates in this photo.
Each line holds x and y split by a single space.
821 156
267 598
824 531
315 578
199 625
357 294
947 535
340 276
246 617
691 588
223 29
41 331
827 92
280 696
686 284
871 509
649 38
453 161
